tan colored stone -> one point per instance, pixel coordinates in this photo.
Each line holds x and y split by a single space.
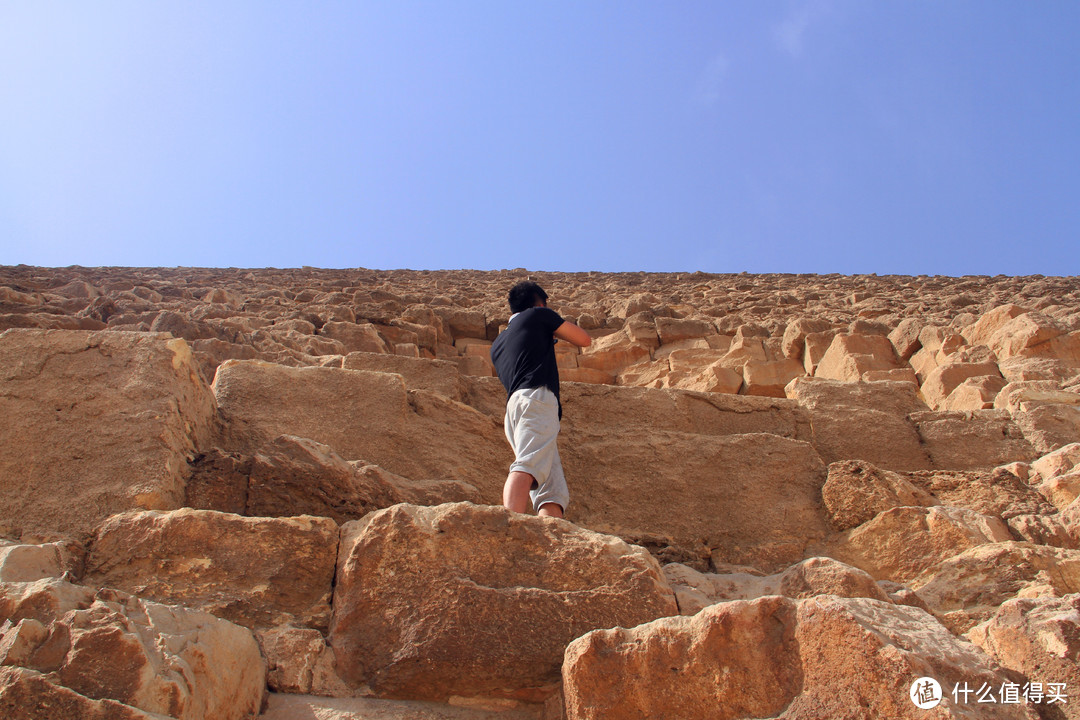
863 421
27 563
108 645
1049 530
814 349
355 337
943 379
904 542
905 337
613 353
981 332
822 657
426 597
1060 490
971 440
1040 639
256 572
28 695
974 393
770 378
299 661
856 491
966 589
1050 427
1059 462
794 341
850 356
672 330
368 416
695 591
283 706
107 422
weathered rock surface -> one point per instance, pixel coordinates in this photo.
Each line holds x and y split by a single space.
777 657
105 653
477 601
257 572
346 391
1040 639
106 422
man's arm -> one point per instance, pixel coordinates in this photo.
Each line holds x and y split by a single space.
571 333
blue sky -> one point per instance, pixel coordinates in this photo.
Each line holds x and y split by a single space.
849 136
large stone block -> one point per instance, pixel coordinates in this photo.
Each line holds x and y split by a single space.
95 423
364 415
478 601
105 654
256 572
863 421
969 440
821 657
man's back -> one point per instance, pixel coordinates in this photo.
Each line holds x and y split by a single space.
524 353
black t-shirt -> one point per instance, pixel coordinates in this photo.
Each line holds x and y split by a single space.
524 353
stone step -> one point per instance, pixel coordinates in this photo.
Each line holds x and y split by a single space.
310 707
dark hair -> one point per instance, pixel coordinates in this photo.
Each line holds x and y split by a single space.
524 295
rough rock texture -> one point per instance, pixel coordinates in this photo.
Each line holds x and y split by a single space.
257 572
338 393
815 576
106 422
776 657
1039 638
73 645
476 601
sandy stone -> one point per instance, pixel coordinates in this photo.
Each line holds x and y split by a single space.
905 338
27 563
355 337
107 422
1040 639
850 356
426 597
28 695
998 492
695 591
108 645
1059 462
770 378
257 572
901 543
944 379
301 707
1050 427
863 421
856 491
775 657
794 340
975 393
970 440
967 589
299 661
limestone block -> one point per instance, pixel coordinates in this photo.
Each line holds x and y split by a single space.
107 422
1059 462
1050 427
439 376
107 645
902 543
1038 638
814 348
1024 369
613 353
970 440
815 576
462 322
997 491
821 657
967 588
299 661
856 491
1030 335
1060 490
849 356
256 572
905 337
863 421
426 598
974 393
1044 530
645 374
990 323
286 706
945 378
28 695
368 416
355 337
770 378
748 499
693 359
672 330
794 340
27 563
713 378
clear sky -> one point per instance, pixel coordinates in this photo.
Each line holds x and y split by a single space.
849 136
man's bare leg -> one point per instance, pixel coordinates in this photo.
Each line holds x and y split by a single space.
516 491
550 510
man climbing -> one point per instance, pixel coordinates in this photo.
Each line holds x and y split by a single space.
524 358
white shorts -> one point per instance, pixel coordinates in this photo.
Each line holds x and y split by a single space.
532 427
